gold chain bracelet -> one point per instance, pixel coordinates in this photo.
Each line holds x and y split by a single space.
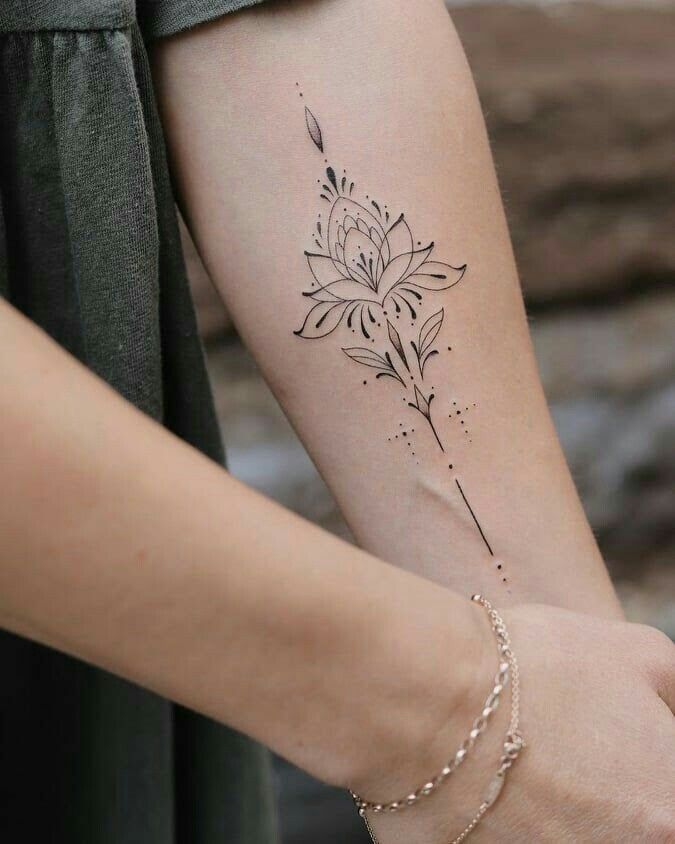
513 742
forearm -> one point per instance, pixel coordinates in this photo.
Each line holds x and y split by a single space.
125 547
475 490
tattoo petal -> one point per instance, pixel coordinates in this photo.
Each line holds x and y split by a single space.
343 209
358 247
429 331
348 290
433 275
323 268
322 294
322 320
399 238
398 270
394 272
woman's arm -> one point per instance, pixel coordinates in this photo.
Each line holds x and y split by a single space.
469 486
127 548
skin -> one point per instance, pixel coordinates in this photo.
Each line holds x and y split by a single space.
127 548
400 113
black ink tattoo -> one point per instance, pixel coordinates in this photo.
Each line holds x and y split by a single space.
473 516
314 129
370 280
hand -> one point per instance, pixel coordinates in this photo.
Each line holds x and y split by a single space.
597 706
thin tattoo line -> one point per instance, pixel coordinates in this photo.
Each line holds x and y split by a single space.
480 529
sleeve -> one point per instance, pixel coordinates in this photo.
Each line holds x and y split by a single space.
159 18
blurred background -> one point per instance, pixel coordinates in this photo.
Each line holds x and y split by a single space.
580 105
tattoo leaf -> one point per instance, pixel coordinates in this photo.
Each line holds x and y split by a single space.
421 403
429 331
367 357
314 129
322 320
396 343
433 275
424 360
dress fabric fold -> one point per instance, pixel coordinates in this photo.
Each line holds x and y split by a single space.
90 251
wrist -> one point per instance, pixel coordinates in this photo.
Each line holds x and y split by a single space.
442 669
468 756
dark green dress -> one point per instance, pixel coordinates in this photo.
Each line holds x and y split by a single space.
89 249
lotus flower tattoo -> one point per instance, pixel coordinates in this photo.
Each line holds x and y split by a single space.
366 264
369 278
367 270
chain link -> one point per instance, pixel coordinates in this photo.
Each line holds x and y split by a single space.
513 743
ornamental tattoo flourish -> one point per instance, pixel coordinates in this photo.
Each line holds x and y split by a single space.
368 279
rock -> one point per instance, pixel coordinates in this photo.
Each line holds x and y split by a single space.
582 129
613 350
609 374
623 462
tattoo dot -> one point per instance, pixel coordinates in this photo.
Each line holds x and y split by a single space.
365 382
